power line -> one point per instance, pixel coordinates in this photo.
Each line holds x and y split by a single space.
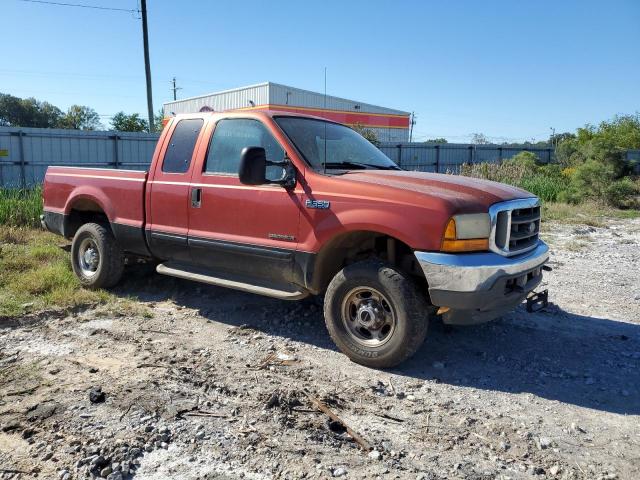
30 92
26 73
112 76
81 5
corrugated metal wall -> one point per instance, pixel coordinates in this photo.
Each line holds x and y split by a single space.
633 158
306 98
448 157
393 135
270 93
25 153
227 100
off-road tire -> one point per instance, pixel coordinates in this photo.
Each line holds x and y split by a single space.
409 304
111 260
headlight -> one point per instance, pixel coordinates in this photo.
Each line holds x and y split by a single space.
467 233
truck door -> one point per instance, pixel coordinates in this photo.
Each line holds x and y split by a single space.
246 230
168 219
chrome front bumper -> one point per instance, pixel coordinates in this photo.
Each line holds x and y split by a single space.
480 286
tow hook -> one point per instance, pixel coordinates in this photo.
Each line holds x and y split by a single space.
536 301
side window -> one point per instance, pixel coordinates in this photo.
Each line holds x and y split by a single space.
230 136
180 150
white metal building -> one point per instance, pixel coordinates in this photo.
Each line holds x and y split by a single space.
388 124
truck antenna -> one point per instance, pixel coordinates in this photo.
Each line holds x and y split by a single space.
324 171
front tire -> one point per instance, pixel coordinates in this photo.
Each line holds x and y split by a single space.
375 314
96 258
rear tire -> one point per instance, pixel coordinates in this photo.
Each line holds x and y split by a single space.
375 314
96 258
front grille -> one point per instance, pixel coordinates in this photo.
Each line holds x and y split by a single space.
515 226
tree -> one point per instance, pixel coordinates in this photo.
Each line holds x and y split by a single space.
367 133
479 139
526 159
157 121
80 117
10 110
434 141
27 112
558 138
129 123
49 115
607 144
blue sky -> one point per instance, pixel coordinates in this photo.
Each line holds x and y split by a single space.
508 69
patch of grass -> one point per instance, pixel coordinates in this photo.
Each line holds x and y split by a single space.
591 181
20 208
36 274
546 187
22 374
584 238
131 306
574 245
588 213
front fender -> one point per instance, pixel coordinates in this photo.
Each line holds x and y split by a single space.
418 227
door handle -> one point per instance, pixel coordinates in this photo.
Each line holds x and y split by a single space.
196 197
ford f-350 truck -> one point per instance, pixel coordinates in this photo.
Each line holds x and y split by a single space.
289 206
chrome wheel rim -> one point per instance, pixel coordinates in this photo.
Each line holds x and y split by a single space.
88 257
368 317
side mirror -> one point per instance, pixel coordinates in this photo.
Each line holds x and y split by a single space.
253 169
253 166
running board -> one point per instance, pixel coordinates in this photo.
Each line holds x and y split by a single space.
228 283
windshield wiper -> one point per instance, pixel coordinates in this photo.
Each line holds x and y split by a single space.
362 166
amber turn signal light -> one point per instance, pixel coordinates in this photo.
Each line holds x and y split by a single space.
451 244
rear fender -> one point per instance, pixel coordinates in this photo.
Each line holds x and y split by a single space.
85 193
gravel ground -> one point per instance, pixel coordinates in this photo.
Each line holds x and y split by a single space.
217 384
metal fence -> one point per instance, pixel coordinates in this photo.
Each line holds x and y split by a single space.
25 153
449 157
633 158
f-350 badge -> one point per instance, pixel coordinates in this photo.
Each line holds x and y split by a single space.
318 204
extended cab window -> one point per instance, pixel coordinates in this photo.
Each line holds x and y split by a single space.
180 149
230 136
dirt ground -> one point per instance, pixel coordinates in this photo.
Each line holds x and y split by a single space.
208 383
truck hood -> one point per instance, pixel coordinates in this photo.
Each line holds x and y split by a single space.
461 193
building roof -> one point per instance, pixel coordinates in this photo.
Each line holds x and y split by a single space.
312 97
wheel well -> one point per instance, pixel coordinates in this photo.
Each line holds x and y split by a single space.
357 246
84 211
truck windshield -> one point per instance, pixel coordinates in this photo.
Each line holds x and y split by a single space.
334 146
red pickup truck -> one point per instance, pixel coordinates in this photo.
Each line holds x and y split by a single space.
289 206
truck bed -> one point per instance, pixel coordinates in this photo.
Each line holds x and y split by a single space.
68 192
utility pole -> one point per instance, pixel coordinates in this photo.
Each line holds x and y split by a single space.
147 65
553 137
412 122
175 89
